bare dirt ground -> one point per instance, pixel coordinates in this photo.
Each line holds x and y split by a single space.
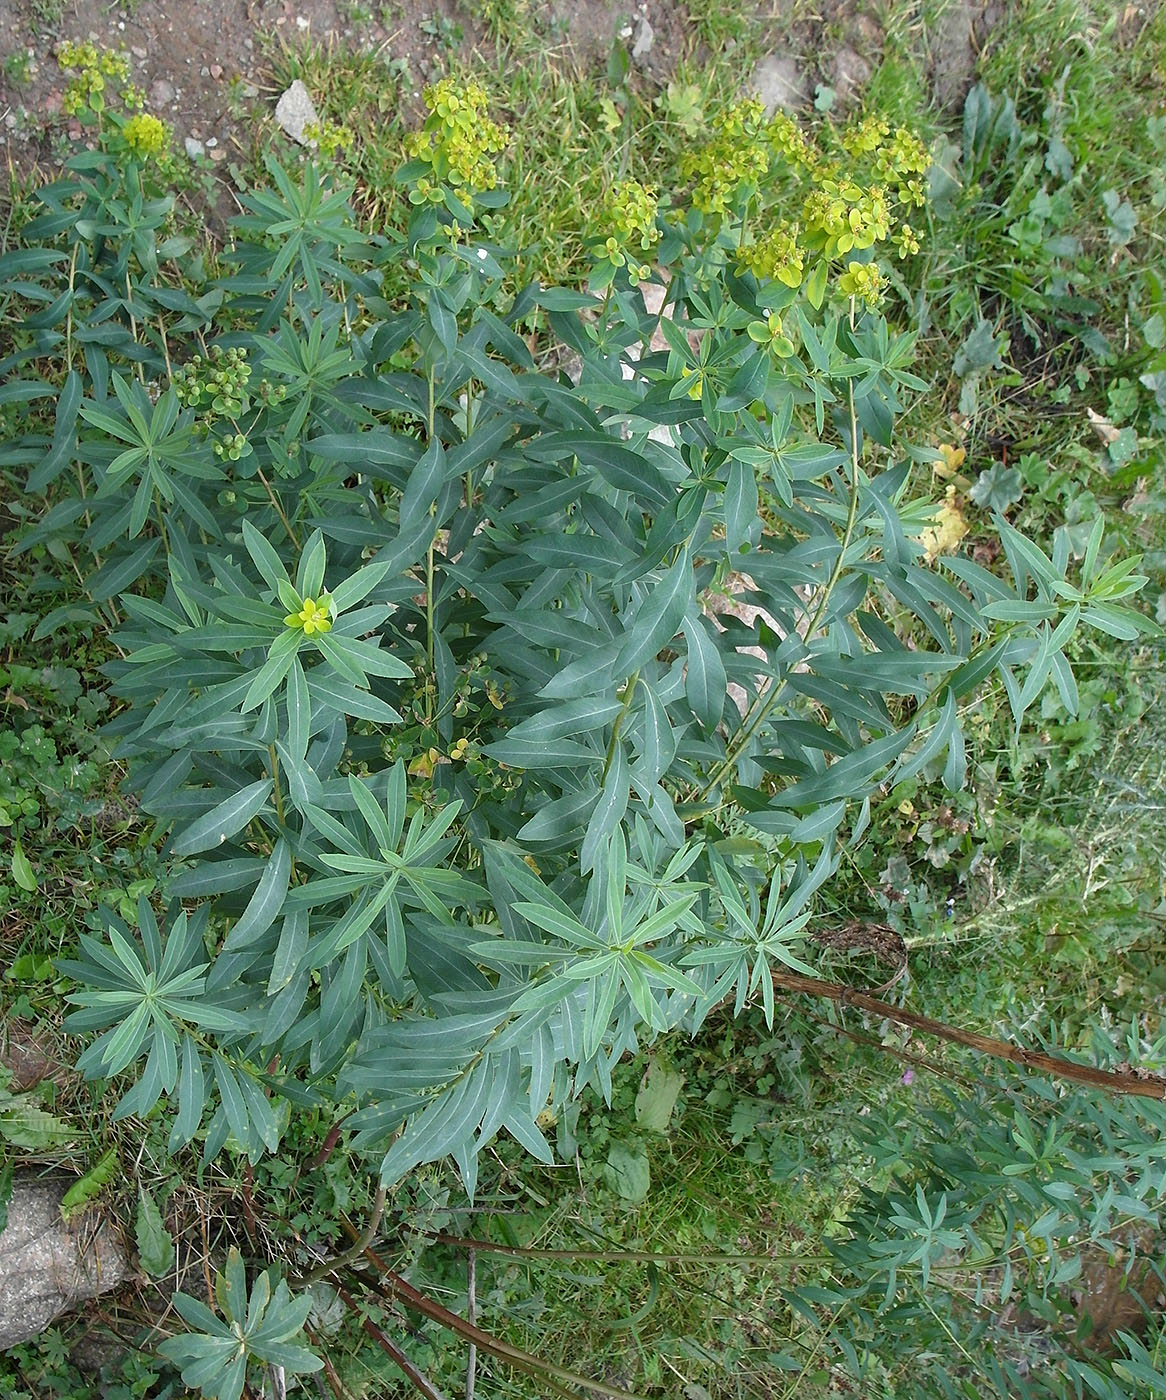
204 63
201 62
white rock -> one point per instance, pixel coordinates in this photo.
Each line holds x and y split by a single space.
194 148
780 83
46 1265
850 73
294 111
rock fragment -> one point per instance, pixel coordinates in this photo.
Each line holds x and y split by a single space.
48 1266
779 82
295 111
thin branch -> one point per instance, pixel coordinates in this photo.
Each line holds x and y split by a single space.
612 1256
360 1243
392 1286
420 1381
335 1384
1128 1081
905 1055
472 1318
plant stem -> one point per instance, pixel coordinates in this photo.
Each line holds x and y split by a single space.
628 696
275 781
161 523
274 499
1141 1083
392 1286
360 1243
472 1318
420 1381
763 705
430 642
69 314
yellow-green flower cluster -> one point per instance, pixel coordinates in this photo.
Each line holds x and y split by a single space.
630 211
906 240
844 200
903 161
777 255
146 136
91 71
790 142
330 138
458 140
695 378
314 616
232 447
737 158
771 334
842 218
863 282
865 137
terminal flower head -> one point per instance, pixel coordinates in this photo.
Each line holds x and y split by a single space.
146 135
314 616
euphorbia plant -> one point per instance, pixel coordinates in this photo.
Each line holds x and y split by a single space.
422 674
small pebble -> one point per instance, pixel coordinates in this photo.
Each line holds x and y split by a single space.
194 148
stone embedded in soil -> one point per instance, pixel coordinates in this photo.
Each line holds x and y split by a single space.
294 111
645 37
849 73
47 1266
953 51
194 148
780 84
162 93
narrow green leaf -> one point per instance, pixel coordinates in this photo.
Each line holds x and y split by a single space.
22 871
658 618
705 683
154 1241
265 904
270 675
266 560
224 821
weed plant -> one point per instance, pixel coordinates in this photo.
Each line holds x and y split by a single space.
469 784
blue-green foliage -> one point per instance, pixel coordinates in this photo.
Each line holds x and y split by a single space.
419 673
512 571
994 1212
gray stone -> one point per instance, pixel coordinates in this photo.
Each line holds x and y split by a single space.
194 148
953 52
162 93
849 74
48 1266
294 111
645 37
780 84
